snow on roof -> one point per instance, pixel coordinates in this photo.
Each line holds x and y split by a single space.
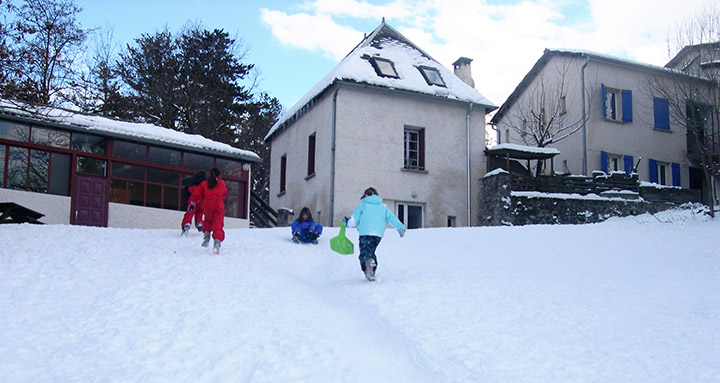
124 129
385 42
524 149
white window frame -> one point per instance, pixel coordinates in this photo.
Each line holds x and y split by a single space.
662 173
613 99
615 163
432 76
402 210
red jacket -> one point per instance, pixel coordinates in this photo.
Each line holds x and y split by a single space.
212 199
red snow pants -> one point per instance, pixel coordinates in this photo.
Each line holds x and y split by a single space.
214 210
197 213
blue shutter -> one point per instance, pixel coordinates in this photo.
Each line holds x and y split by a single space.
604 162
627 105
662 113
602 86
652 164
676 174
628 164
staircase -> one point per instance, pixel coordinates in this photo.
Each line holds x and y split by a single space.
261 214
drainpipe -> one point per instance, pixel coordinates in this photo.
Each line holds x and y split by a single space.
467 132
332 157
584 120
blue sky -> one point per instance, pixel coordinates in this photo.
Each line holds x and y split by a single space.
295 43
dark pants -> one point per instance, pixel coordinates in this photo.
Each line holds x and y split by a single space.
368 244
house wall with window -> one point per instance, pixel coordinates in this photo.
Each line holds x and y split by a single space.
92 175
626 121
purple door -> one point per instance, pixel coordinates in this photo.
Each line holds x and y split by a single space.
91 201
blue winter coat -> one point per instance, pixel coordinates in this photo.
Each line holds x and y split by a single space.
371 217
305 228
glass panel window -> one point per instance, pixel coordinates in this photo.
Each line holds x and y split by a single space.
17 168
39 169
50 137
171 197
162 156
384 67
128 171
137 193
118 191
59 174
197 162
432 76
229 167
129 150
232 200
92 166
153 196
88 143
163 176
14 131
410 215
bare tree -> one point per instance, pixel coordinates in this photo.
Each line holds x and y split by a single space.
542 118
699 29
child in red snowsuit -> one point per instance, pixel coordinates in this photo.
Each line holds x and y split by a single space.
197 212
212 193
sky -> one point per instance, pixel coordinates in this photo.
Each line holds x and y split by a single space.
531 304
294 43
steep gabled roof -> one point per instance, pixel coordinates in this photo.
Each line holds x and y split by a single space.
548 54
688 49
386 43
135 131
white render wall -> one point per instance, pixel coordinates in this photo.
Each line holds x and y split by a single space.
638 138
57 211
369 147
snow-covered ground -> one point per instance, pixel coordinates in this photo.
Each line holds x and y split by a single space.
628 300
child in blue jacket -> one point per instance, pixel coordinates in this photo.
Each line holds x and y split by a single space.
304 229
370 217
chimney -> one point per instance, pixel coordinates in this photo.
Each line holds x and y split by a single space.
461 68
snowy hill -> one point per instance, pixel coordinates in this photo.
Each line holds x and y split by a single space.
629 300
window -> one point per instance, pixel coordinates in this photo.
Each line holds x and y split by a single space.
563 105
661 113
414 151
50 137
39 170
660 172
451 221
283 170
617 104
59 174
88 143
14 131
431 76
162 156
197 161
616 163
129 150
311 155
230 167
35 170
92 166
17 168
383 67
410 215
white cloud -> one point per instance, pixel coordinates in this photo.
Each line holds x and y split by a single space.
504 40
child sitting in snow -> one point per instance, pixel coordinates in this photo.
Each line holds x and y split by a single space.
304 229
370 217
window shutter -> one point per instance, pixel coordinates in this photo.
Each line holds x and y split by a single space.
652 164
662 113
628 164
627 105
675 174
421 149
604 107
604 162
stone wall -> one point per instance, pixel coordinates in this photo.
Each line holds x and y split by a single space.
499 205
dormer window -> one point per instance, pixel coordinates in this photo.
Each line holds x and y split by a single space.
383 67
432 76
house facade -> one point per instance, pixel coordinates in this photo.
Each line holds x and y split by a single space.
387 116
616 113
88 170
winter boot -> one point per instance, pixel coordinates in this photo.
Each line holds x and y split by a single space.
206 239
185 230
216 246
199 227
370 265
296 238
313 237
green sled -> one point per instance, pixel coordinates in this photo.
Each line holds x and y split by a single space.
340 243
